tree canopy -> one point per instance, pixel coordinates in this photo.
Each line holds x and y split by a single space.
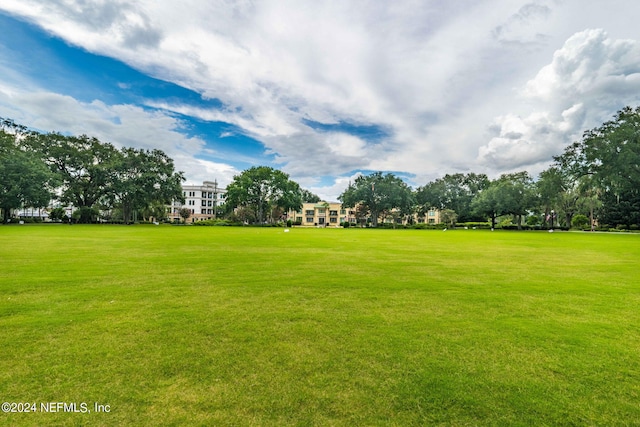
143 178
606 164
24 178
263 189
597 176
378 193
455 192
84 171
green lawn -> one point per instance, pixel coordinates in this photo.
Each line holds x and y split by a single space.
341 327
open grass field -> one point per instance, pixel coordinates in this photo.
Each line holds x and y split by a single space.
257 327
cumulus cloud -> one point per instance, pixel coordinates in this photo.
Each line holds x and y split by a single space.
590 65
589 78
519 143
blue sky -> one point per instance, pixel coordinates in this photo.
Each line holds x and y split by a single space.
323 90
84 76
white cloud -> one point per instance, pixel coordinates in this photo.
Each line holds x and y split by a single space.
435 74
589 78
590 64
330 192
522 142
121 125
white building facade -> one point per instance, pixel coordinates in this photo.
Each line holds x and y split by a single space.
204 201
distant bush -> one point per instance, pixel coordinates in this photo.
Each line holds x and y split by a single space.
217 223
388 225
580 222
526 227
514 227
31 220
428 226
533 220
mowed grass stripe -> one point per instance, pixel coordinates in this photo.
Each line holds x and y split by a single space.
254 326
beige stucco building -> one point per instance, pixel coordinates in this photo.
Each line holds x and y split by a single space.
322 214
333 214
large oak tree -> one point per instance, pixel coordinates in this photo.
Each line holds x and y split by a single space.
262 189
379 193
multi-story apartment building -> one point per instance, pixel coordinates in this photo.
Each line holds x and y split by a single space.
322 214
432 216
333 214
204 201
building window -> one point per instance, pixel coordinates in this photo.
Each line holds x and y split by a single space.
333 213
432 213
309 213
309 219
204 203
333 220
343 211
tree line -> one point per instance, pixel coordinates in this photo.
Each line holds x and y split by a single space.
596 179
93 176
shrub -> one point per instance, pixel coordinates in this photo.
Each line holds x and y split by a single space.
217 223
428 226
580 221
